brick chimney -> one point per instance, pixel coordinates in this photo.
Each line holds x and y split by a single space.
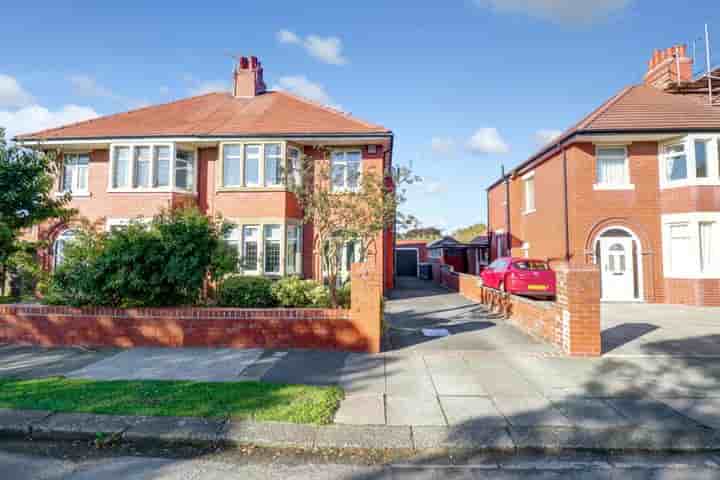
669 67
248 78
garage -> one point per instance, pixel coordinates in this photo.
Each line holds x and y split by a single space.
407 262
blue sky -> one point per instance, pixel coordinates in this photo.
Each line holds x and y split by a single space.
466 85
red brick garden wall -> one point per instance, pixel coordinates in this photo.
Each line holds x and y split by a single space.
356 329
571 322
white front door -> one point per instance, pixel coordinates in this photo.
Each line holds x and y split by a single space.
617 269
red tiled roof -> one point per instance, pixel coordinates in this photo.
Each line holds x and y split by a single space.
217 114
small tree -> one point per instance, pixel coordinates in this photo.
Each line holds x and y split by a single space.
26 199
338 217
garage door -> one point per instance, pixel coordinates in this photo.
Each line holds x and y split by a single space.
406 263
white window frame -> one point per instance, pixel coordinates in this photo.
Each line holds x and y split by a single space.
281 163
279 241
297 261
59 245
344 161
262 183
74 190
260 158
296 172
173 149
695 270
713 159
529 207
628 185
237 238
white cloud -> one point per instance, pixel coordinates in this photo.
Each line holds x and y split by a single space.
12 94
487 140
325 49
209 87
546 135
442 145
433 187
561 11
300 85
286 36
87 86
33 118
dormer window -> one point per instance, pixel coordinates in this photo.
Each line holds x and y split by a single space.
152 167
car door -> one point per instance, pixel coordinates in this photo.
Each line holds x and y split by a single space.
488 275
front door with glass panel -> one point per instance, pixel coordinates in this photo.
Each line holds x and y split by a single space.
617 269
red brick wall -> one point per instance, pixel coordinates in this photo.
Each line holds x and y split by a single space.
571 323
357 329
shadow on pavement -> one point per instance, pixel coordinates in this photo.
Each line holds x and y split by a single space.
619 335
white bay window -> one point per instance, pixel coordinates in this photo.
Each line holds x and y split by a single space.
690 245
267 248
692 160
152 167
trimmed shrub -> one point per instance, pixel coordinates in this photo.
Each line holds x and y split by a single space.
246 292
343 296
165 263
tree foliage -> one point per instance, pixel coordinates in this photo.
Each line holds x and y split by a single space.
422 233
339 217
165 263
26 198
466 234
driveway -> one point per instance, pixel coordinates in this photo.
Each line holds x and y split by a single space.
653 329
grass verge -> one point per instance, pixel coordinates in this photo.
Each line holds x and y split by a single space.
246 400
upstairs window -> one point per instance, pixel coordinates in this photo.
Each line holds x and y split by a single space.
232 156
701 158
612 167
251 165
345 170
273 164
149 167
75 173
675 162
143 161
121 167
162 166
294 166
529 187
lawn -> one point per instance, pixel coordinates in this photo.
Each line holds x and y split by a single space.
246 400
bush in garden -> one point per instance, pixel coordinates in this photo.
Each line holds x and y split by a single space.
292 292
162 264
319 296
246 292
343 296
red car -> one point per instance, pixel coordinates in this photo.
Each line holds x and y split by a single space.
520 276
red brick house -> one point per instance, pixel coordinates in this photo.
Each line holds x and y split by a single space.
633 187
226 153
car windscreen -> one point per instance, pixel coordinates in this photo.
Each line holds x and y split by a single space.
532 265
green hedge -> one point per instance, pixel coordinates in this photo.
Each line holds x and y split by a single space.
246 292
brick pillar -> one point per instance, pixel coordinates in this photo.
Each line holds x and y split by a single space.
578 297
366 304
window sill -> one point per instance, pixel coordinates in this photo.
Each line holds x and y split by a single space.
73 195
528 212
689 183
693 276
258 188
600 186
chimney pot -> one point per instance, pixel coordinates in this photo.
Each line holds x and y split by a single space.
253 62
248 78
243 63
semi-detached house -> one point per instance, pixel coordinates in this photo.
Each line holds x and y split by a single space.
633 187
227 153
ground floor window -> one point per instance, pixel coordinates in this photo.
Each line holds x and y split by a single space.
59 246
689 245
267 248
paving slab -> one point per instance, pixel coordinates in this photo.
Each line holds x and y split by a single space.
136 468
413 411
198 364
458 384
531 411
20 467
372 437
651 414
410 385
173 429
18 361
472 410
705 411
307 367
361 410
19 422
79 426
590 413
273 434
363 374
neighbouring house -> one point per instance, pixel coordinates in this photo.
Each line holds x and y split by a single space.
469 257
228 153
633 187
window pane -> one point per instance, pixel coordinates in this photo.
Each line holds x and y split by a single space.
706 251
294 168
59 247
701 155
272 248
675 162
121 167
611 166
142 166
353 173
292 249
162 166
231 165
250 248
679 248
530 194
252 164
68 172
338 175
272 164
184 169
82 178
